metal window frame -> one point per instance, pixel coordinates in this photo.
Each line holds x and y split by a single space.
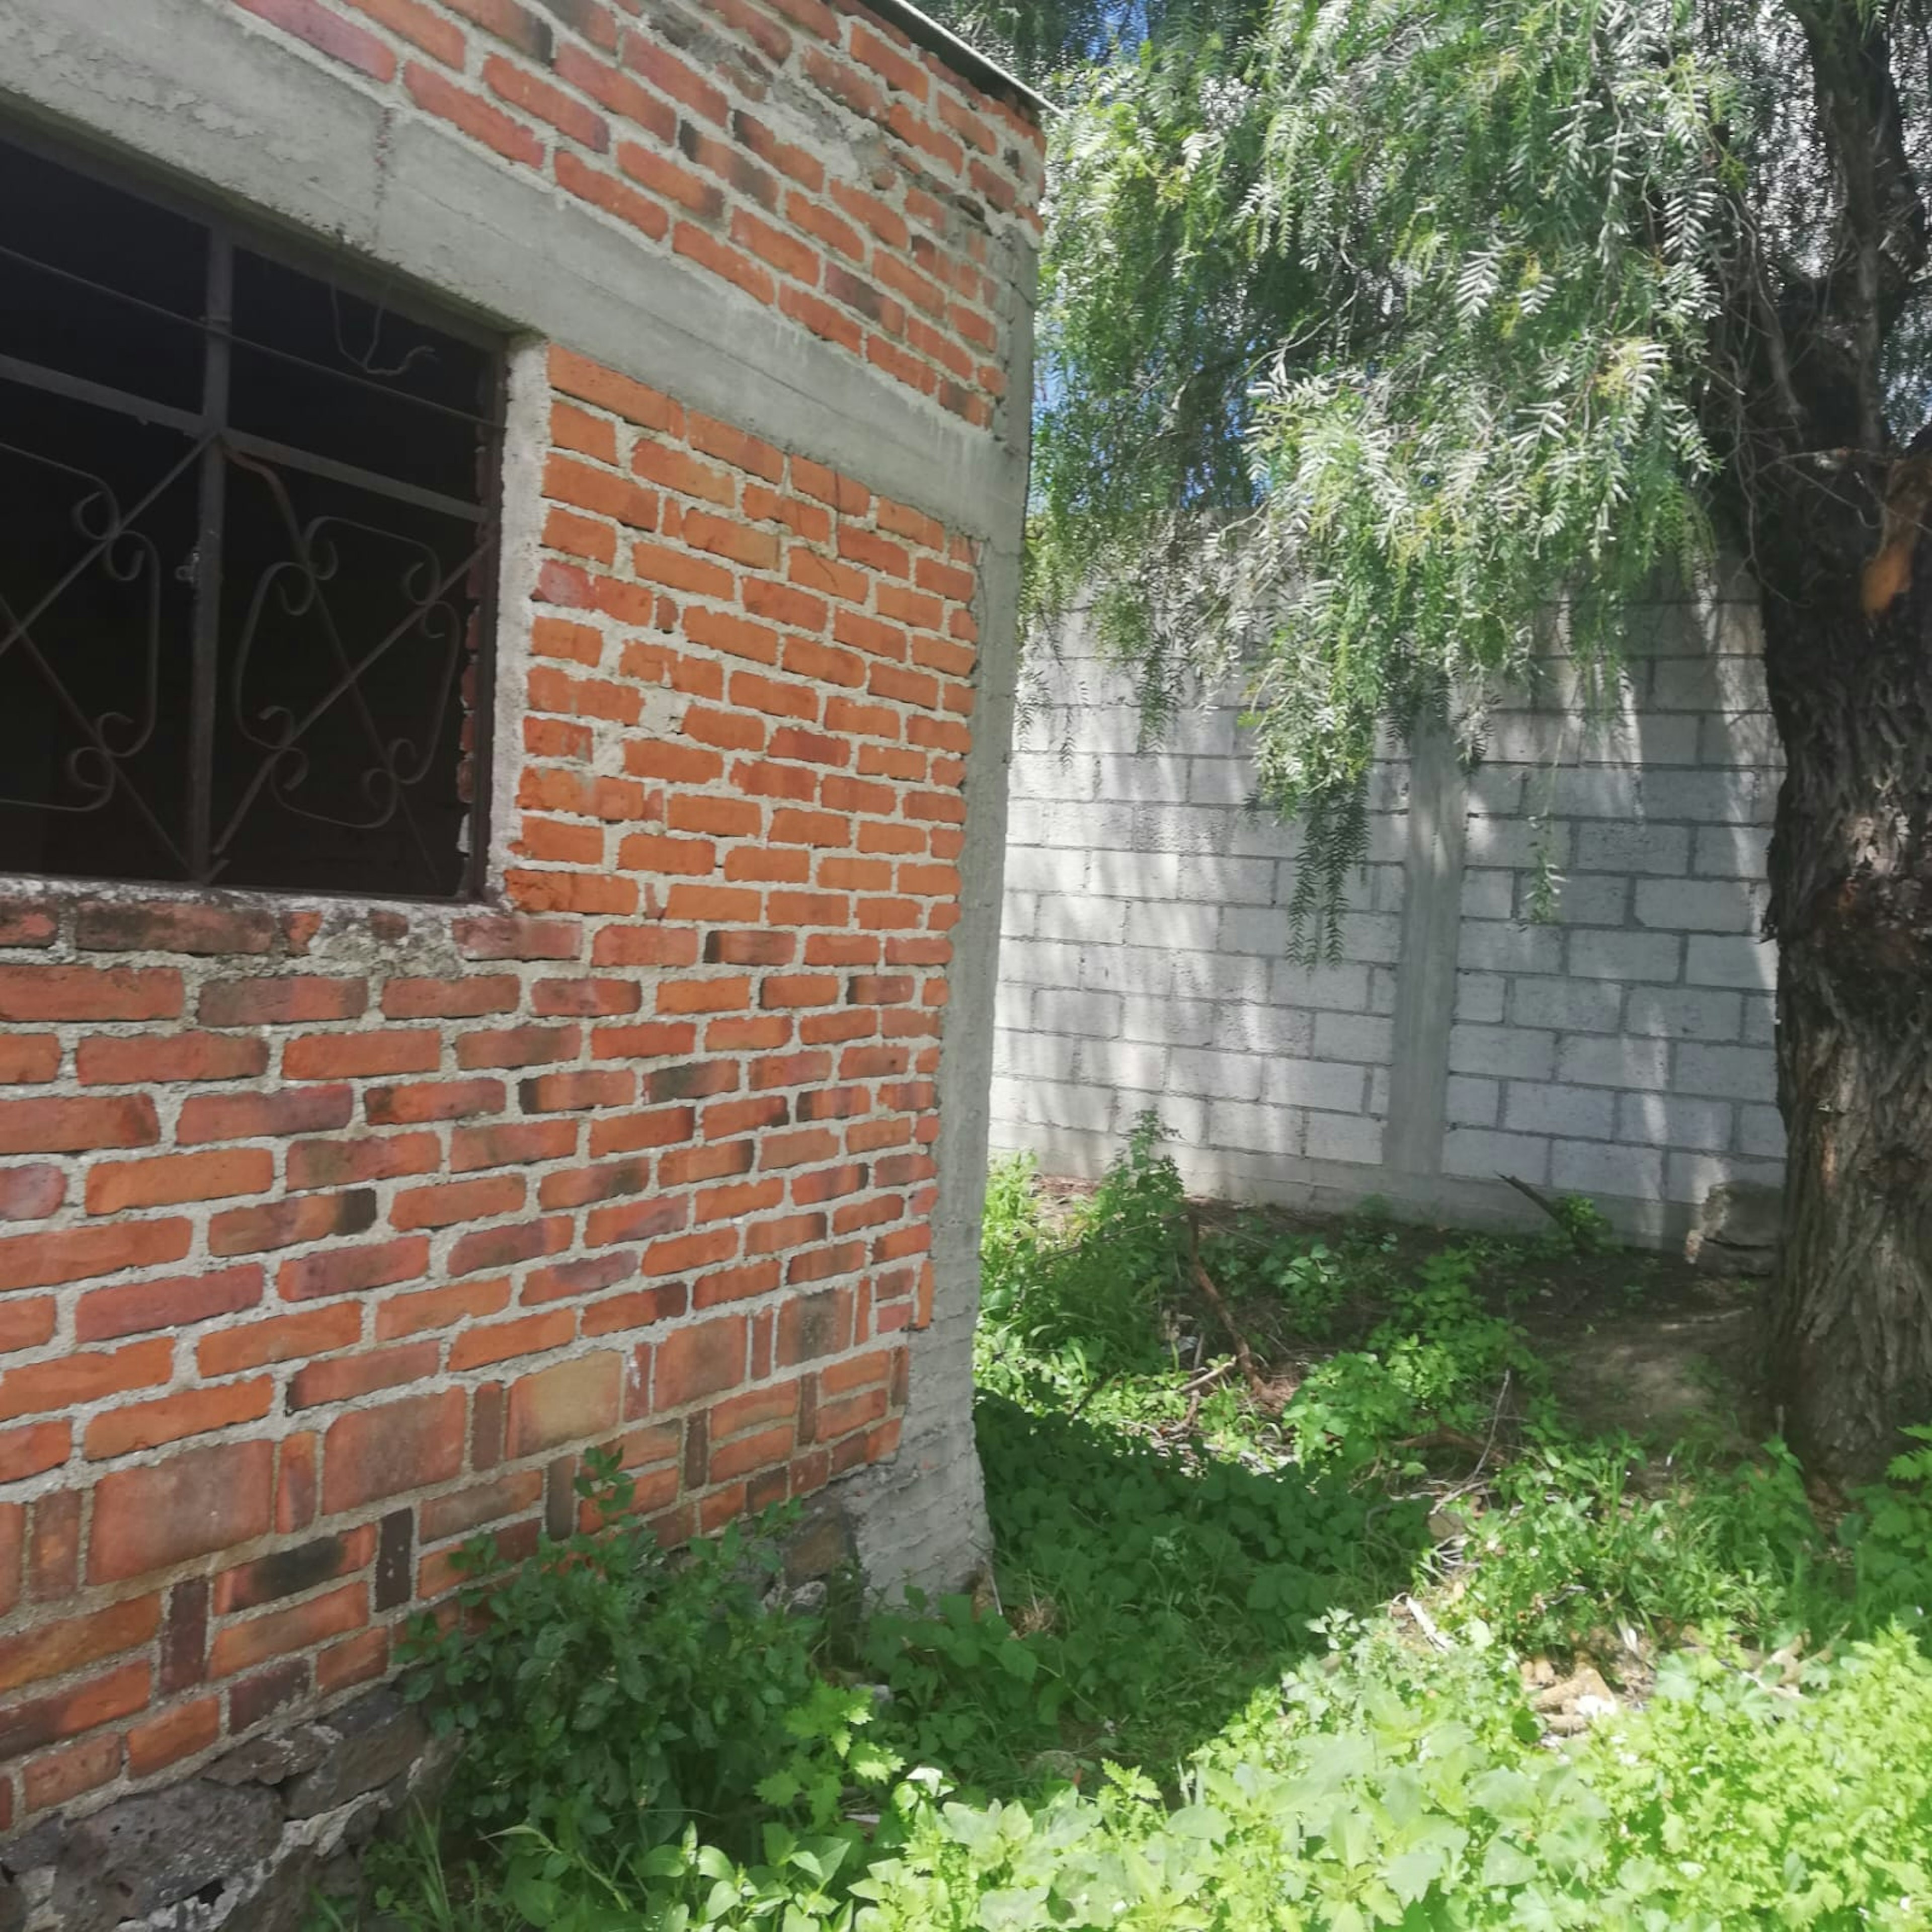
226 232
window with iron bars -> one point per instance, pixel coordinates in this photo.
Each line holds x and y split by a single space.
248 535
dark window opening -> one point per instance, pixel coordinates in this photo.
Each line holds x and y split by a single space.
246 547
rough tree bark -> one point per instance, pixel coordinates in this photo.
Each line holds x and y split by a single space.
1851 878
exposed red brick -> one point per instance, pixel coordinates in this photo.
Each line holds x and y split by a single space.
113 1060
386 1450
200 1501
281 1001
146 1425
289 1110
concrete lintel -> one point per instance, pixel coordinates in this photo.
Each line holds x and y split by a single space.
204 94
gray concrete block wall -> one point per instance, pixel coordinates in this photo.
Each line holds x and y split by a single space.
1604 1026
1146 950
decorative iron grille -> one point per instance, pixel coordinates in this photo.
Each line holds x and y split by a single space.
246 547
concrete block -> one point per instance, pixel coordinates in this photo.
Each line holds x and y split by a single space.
1125 969
1489 893
1177 926
1617 1061
1473 1102
1479 1154
1517 842
1172 1022
1499 946
1045 868
1012 1009
1744 962
1240 1026
1598 792
1698 905
1760 1027
1726 1072
1351 1036
1598 1167
1378 1092
1747 738
1228 881
1071 825
1343 988
1133 1065
1709 682
1224 780
1336 1086
1055 774
1039 962
1547 1107
1137 874
1142 777
1388 838
1059 1104
1254 1129
1519 1053
1255 834
1038 1056
1761 1132
1479 997
1006 1102
1387 886
1381 989
1569 1006
1108 726
1184 1114
1706 798
1683 1012
1209 975
1649 738
1656 849
1210 731
1351 1137
1625 956
1690 1176
1733 851
1079 916
1583 898
1496 786
1671 1120
1543 740
1095 1015
1221 1076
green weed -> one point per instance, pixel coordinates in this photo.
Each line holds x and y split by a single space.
1181 1709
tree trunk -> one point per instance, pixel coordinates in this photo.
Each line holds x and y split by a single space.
1851 877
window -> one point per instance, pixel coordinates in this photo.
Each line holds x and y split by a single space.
246 545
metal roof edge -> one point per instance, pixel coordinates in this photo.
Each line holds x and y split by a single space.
985 73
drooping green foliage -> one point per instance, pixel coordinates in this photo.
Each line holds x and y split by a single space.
1376 350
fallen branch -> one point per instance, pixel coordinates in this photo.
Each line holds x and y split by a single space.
1536 1195
1243 1354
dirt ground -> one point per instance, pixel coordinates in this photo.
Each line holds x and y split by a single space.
1635 1340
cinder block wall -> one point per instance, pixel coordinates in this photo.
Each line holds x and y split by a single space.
1615 1042
335 1232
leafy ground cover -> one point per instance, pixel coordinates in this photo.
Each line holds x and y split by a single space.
1317 1607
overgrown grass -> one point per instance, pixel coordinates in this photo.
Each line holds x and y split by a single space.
1253 1656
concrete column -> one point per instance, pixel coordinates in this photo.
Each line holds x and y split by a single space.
1432 921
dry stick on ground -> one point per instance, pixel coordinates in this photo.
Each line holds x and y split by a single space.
1530 1193
1243 1354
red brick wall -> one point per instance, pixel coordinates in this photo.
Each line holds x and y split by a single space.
810 154
329 1235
